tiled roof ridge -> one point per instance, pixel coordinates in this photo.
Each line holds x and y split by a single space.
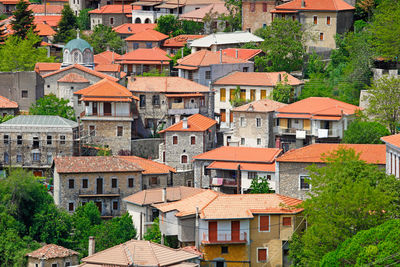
212 200
128 254
84 69
153 252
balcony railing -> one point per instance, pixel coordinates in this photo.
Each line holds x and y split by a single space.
216 181
183 111
84 114
87 193
221 238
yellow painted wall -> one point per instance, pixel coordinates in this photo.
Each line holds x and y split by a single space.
236 252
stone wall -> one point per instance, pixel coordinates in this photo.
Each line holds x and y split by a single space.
141 44
146 148
73 260
183 178
257 19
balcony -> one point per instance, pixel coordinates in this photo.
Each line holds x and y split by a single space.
88 193
225 238
128 116
280 130
148 13
183 108
228 182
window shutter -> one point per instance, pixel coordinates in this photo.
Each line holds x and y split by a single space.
283 123
307 124
263 94
222 94
262 254
287 221
264 223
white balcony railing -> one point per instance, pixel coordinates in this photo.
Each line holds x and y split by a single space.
226 237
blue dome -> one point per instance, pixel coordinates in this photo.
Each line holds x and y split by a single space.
78 44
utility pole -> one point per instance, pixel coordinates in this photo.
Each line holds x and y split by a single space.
196 237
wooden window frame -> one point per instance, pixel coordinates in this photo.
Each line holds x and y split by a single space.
269 223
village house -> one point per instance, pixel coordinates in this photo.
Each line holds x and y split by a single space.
249 229
51 20
127 29
252 85
163 101
232 169
253 124
52 256
173 44
140 205
312 120
8 6
257 14
291 172
111 15
107 114
8 107
205 67
392 154
179 218
145 39
32 141
243 53
186 139
216 9
325 19
149 13
46 10
105 180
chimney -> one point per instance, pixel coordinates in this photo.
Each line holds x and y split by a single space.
184 123
279 78
129 29
303 3
220 56
164 195
91 246
237 53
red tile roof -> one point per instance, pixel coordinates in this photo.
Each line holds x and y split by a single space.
228 165
114 9
257 79
245 54
263 105
165 85
155 55
323 5
73 78
392 139
195 123
95 164
246 205
374 154
133 28
106 57
51 251
44 30
199 14
149 166
241 154
180 40
147 35
50 9
7 103
52 21
108 68
44 67
107 89
84 69
207 58
11 2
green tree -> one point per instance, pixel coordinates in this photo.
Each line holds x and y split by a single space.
153 234
260 185
348 196
283 92
22 21
237 99
192 27
384 102
6 118
178 55
83 19
67 26
169 25
364 132
104 37
51 105
317 85
233 20
314 65
283 45
378 246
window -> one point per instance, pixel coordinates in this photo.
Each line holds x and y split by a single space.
5 138
287 221
111 21
245 69
189 183
19 139
208 75
36 156
130 182
328 20
135 46
321 36
269 177
252 94
263 94
223 115
262 254
49 158
175 140
243 94
85 183
190 75
207 171
142 101
242 141
115 205
242 121
315 20
156 100
120 130
293 17
258 122
264 7
49 139
54 265
252 175
258 141
67 264
92 130
153 180
224 250
303 183
263 223
71 206
149 44
62 139
24 94
19 158
6 157
184 159
71 183
114 182
193 140
252 7
222 95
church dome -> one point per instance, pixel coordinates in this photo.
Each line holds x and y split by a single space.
79 44
78 51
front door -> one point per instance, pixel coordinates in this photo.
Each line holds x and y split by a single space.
99 186
235 228
212 231
107 108
94 108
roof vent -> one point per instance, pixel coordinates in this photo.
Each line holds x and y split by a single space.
129 29
184 123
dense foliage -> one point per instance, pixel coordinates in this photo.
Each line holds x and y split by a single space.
172 26
103 38
22 21
52 105
67 26
364 132
83 19
283 92
260 185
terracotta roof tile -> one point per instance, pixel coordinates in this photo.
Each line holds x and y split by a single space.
73 78
52 21
97 164
7 103
180 40
108 68
242 53
106 89
106 57
374 154
51 251
207 58
45 67
325 5
147 35
392 139
50 9
257 79
142 54
195 123
153 196
165 85
263 105
114 9
229 165
241 154
44 30
133 28
149 166
199 14
245 205
84 69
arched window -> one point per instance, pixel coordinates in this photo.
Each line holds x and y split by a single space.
147 21
87 56
66 56
138 20
77 57
184 159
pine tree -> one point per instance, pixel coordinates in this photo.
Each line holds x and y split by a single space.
23 19
66 26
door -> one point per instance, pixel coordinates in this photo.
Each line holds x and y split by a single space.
99 186
107 108
235 228
94 108
212 231
99 206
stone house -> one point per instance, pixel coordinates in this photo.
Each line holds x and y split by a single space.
110 15
205 67
253 124
101 179
52 256
173 44
291 172
7 107
392 154
312 120
8 6
325 19
163 101
257 14
108 114
231 169
253 86
141 204
186 139
32 141
237 230
145 39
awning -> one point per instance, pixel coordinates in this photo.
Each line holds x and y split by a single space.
327 118
105 99
186 67
184 95
233 166
294 116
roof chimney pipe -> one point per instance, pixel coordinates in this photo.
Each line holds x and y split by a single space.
303 3
279 77
91 246
237 53
164 195
184 123
220 56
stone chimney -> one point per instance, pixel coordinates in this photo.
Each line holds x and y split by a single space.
184 123
164 195
91 246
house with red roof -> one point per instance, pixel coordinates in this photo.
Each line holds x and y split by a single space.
128 29
145 39
230 169
46 10
291 167
53 255
392 154
8 107
111 15
173 44
8 6
312 120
